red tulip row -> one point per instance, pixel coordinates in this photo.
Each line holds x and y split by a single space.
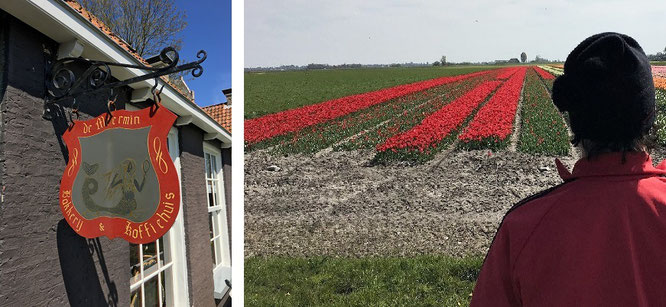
440 124
544 74
494 122
365 125
507 72
412 116
280 123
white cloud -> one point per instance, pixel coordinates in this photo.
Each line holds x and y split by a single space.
301 32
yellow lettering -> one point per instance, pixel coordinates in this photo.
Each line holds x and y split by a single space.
168 207
162 216
157 148
145 226
169 195
75 158
99 123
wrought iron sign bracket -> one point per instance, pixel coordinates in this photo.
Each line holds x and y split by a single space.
62 82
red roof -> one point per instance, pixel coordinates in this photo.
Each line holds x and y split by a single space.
221 113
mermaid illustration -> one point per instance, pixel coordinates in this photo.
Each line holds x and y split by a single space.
123 181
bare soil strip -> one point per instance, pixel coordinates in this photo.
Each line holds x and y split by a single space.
515 136
337 205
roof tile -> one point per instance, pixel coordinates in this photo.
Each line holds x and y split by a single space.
221 113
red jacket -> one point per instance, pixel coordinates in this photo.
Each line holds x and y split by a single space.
599 239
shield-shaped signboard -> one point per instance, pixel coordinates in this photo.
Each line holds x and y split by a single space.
120 180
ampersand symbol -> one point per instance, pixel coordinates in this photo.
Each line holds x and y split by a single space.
157 147
74 162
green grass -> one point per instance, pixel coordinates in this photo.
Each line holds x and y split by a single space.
322 281
658 63
543 130
271 92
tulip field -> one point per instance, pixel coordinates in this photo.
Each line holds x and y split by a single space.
497 108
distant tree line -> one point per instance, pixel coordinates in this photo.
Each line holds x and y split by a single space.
660 56
441 62
318 66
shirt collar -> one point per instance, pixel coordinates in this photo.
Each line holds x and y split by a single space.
610 164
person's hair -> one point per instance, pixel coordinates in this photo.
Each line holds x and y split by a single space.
593 148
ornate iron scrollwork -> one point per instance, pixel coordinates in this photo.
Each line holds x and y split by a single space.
63 82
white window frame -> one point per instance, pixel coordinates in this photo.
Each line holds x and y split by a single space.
221 269
176 287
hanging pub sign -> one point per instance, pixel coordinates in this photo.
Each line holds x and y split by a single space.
120 180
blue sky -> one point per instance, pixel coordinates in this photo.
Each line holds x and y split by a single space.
208 28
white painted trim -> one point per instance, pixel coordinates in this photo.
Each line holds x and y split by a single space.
60 22
70 49
222 271
209 136
184 120
141 94
238 213
181 296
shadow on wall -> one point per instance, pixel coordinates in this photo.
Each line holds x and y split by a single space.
78 269
89 106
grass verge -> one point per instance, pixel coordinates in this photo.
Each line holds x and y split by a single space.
321 281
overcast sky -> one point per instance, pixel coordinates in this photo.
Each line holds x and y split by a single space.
300 32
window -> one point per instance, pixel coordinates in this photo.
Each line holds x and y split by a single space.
158 273
217 222
150 271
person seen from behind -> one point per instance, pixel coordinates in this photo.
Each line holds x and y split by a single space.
599 238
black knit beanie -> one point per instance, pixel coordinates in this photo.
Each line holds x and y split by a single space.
607 89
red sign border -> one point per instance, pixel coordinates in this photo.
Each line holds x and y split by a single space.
160 119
